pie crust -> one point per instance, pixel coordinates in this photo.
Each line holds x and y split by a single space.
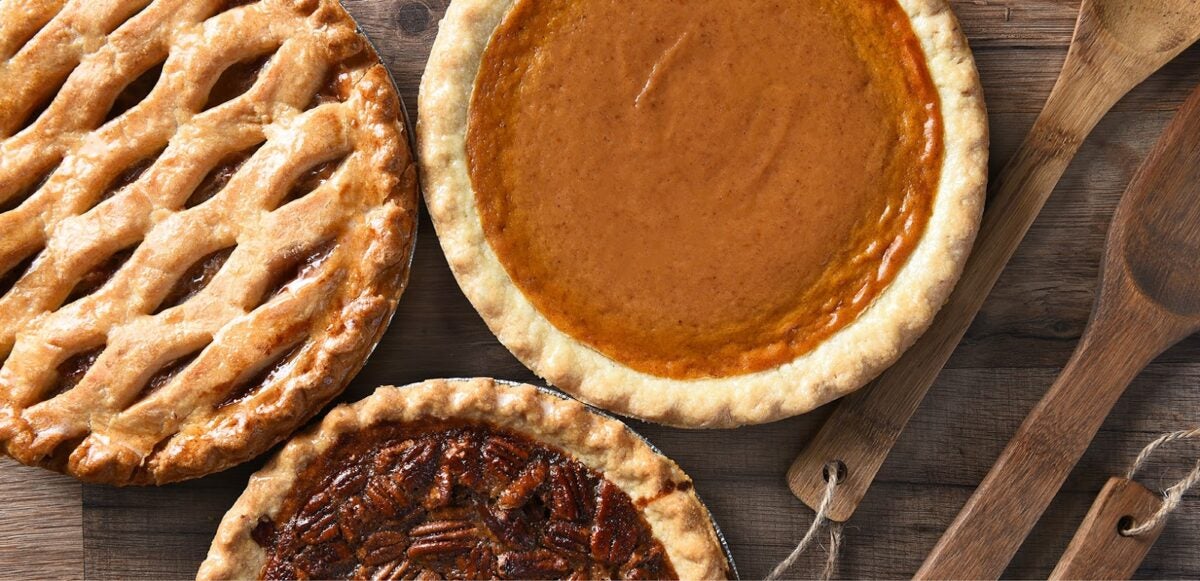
841 363
676 517
206 230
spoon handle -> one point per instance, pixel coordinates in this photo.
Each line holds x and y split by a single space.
865 425
1100 550
1011 499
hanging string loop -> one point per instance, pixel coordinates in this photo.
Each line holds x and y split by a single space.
1173 495
822 517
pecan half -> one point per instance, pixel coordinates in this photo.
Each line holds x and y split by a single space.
441 493
347 483
353 517
403 570
567 536
387 457
383 547
614 534
335 490
415 468
319 528
442 538
516 494
504 457
383 496
569 494
479 564
461 457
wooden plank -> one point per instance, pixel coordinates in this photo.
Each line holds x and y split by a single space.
1025 333
42 532
155 533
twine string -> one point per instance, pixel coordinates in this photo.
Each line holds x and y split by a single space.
835 532
1173 495
835 544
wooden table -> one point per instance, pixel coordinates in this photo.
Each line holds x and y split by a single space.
54 527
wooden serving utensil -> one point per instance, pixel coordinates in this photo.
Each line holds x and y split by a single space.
1149 299
1117 44
1100 550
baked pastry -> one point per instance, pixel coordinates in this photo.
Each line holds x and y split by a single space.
208 212
467 479
704 213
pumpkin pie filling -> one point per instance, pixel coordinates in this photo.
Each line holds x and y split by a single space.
704 188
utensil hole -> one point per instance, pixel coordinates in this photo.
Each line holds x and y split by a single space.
839 466
1124 525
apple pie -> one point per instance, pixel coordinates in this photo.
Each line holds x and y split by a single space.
207 214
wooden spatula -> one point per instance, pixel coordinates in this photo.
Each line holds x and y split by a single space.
1117 44
1149 300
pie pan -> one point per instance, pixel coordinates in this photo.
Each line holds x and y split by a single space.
357 475
502 235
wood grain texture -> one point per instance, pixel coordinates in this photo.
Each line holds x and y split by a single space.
1117 44
1012 353
42 532
1149 299
1099 550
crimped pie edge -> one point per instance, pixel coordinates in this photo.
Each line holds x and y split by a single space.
843 363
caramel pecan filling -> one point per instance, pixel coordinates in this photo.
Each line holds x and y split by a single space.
433 501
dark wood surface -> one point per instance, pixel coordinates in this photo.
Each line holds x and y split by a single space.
1020 340
1149 299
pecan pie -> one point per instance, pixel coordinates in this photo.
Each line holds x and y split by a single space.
467 479
704 213
207 211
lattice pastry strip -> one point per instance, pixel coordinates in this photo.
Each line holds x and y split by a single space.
234 290
34 72
205 229
28 17
186 280
184 87
183 79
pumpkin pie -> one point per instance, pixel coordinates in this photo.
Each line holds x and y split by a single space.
467 479
208 211
704 213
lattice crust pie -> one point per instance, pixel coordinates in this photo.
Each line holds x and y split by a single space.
704 213
207 213
467 479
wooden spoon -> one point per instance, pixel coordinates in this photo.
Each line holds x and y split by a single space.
1117 45
1149 300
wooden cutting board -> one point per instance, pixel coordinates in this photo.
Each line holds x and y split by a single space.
54 527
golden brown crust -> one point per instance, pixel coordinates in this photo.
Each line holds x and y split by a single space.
677 519
308 284
844 362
